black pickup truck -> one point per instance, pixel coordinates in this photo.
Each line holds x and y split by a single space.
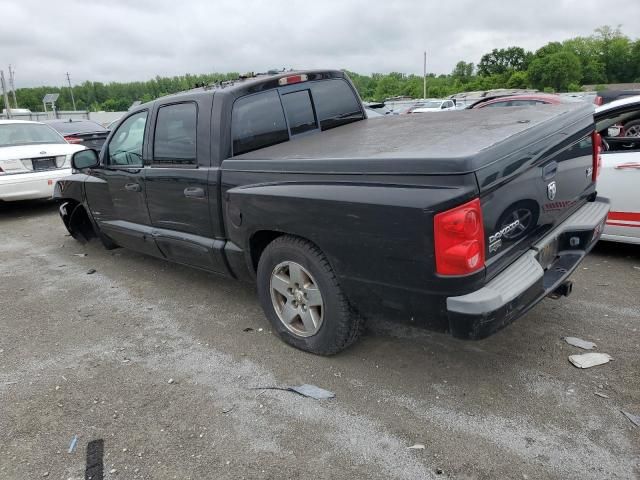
281 180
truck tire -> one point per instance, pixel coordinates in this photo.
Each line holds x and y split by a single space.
301 297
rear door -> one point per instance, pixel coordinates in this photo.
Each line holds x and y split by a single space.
177 184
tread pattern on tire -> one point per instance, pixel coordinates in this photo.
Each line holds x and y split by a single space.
351 325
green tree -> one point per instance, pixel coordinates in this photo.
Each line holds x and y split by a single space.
518 80
463 71
616 52
634 58
557 71
503 60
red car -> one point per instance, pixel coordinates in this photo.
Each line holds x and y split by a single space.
522 101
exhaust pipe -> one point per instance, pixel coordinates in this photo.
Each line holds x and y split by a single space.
563 290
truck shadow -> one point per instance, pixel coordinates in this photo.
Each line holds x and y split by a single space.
27 208
617 250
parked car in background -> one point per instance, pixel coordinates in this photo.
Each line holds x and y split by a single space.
523 101
379 107
81 132
620 169
607 96
404 106
434 106
371 113
32 157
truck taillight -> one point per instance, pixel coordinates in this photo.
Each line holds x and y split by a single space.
73 139
596 140
459 239
598 100
291 79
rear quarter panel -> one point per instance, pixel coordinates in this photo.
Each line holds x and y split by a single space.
377 231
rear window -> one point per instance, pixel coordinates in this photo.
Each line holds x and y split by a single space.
13 134
299 111
78 127
258 121
336 103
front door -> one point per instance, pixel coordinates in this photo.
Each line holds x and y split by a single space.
116 191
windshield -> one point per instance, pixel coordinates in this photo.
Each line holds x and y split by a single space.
13 134
432 104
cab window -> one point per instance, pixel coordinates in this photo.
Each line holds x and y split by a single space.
125 147
336 103
257 121
174 142
299 110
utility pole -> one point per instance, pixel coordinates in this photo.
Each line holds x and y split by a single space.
4 93
424 77
13 86
71 90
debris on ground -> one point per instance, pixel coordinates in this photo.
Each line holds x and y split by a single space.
79 255
578 342
91 271
588 360
417 446
602 395
229 409
248 329
305 390
313 392
73 444
635 419
171 381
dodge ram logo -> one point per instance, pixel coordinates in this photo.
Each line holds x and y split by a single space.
552 189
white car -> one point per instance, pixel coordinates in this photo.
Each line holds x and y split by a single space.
433 106
619 178
32 157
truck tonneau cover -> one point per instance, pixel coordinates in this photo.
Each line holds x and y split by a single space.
430 143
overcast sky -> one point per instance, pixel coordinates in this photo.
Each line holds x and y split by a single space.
123 40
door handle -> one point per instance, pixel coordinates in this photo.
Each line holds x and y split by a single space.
132 187
194 192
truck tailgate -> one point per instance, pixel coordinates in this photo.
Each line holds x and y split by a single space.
531 190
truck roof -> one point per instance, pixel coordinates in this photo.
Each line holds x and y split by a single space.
450 142
251 83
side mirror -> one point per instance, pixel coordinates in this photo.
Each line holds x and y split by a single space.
85 159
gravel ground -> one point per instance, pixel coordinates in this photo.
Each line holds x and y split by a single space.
149 365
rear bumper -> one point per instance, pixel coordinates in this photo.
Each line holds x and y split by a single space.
30 186
525 282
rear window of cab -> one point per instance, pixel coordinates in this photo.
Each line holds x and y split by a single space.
268 118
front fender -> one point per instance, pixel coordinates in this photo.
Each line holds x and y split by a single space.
70 188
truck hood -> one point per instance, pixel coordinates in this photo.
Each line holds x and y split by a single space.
38 150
